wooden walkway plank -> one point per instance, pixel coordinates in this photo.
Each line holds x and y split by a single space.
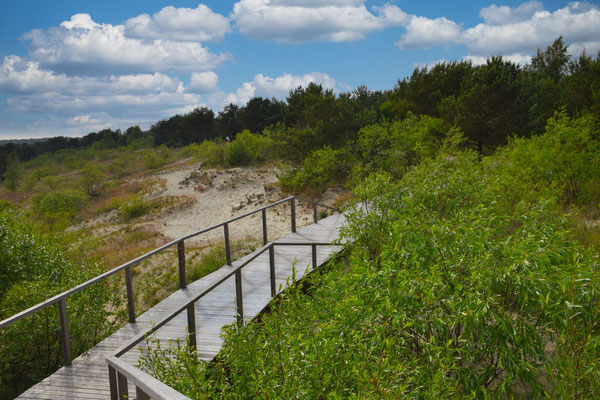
87 378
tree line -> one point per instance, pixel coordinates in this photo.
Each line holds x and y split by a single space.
488 102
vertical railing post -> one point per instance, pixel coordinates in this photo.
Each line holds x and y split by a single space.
122 383
264 225
64 332
272 269
315 216
293 209
112 380
181 259
130 300
140 394
314 256
227 244
191 317
238 297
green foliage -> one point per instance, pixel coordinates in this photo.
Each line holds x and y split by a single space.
11 176
59 207
322 168
564 161
135 208
92 179
33 269
154 158
447 292
397 146
210 153
248 148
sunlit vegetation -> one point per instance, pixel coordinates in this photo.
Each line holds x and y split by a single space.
473 273
465 279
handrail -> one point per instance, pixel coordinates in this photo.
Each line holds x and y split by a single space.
150 387
60 298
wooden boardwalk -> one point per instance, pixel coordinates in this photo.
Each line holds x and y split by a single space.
87 378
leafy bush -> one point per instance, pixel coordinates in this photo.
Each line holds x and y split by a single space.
33 269
564 161
134 208
322 168
447 293
59 207
248 148
398 146
154 158
209 152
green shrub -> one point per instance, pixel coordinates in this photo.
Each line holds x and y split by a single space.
322 168
135 208
32 269
209 152
154 158
563 162
248 148
447 294
60 206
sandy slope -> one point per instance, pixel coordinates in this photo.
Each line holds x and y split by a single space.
221 194
209 196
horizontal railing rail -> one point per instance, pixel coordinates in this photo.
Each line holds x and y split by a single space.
120 373
60 299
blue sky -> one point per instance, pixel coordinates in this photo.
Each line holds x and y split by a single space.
73 67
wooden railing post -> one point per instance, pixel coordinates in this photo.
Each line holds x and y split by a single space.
130 299
227 244
314 256
191 317
264 225
140 394
112 380
293 210
64 332
272 269
315 216
123 389
181 259
238 297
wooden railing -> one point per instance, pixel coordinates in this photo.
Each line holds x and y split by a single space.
61 298
120 373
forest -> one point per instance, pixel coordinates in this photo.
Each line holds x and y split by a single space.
475 273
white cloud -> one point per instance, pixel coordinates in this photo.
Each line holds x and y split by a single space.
494 15
82 46
36 90
294 21
515 58
203 82
180 24
423 32
22 77
265 86
577 22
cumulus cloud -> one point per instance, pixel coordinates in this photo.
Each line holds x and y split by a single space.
516 58
494 15
423 32
21 77
294 21
180 24
519 31
203 82
82 46
36 90
266 86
